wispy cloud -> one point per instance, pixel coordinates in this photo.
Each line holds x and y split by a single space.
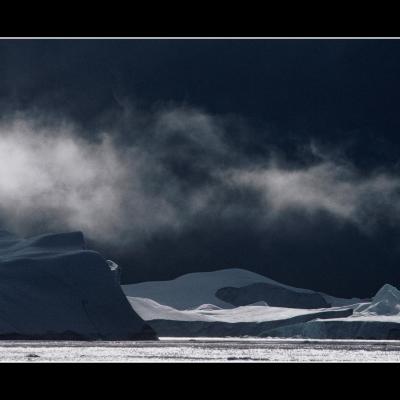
334 188
53 178
147 173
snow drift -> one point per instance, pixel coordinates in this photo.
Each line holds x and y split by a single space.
52 288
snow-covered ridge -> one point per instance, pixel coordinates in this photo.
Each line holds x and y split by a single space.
51 287
195 289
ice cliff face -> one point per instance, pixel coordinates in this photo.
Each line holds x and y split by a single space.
272 295
385 302
51 287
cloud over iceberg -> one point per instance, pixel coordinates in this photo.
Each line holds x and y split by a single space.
149 172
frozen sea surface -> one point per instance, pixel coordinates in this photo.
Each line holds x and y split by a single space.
202 350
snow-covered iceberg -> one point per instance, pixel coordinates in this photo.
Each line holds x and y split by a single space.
237 302
195 289
51 287
385 302
375 319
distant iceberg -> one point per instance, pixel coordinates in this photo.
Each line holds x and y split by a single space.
51 287
237 302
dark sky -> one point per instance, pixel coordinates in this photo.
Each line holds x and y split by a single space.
265 96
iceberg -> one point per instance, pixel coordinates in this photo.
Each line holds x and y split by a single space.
237 302
195 289
385 302
52 287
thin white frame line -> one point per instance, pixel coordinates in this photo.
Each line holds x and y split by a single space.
201 37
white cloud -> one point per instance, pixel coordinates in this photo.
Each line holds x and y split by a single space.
327 186
65 182
52 178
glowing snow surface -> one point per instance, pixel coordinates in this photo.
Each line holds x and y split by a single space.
150 310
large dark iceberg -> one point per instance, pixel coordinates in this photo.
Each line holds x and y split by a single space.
51 287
